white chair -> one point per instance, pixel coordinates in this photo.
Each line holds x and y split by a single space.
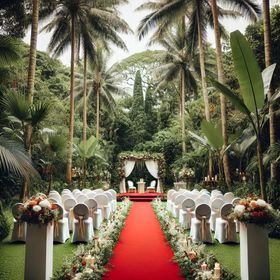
98 191
91 194
19 230
177 205
103 205
200 225
86 191
77 194
68 206
205 198
216 206
76 191
83 228
172 199
61 227
229 196
186 213
114 194
169 193
110 201
56 196
94 212
66 196
221 196
152 187
131 187
81 198
225 228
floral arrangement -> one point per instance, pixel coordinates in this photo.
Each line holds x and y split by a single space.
89 260
194 261
142 156
254 210
39 210
186 173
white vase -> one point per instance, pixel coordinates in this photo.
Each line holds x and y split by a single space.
254 253
39 252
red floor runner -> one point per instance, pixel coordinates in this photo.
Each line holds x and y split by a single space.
142 252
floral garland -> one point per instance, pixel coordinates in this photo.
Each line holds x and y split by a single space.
142 156
90 260
195 263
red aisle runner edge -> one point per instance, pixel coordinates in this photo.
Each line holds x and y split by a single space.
142 252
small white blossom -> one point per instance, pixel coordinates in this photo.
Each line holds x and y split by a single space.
78 276
88 270
36 208
261 203
239 209
45 203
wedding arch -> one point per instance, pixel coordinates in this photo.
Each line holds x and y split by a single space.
154 162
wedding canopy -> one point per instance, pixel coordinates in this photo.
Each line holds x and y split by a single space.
155 164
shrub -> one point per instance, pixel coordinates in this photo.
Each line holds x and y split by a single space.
275 228
4 226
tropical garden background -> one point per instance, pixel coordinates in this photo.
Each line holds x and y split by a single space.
65 126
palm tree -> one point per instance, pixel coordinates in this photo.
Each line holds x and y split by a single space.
70 19
19 111
177 65
252 10
267 52
9 52
103 83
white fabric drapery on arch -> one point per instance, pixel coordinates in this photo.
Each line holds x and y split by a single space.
128 168
152 167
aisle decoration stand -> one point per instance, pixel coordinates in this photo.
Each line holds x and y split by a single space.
254 215
39 214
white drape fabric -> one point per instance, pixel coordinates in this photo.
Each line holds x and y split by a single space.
152 167
128 168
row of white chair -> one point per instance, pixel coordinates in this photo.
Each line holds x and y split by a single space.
202 212
81 217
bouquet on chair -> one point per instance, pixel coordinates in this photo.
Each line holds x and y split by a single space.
253 210
39 210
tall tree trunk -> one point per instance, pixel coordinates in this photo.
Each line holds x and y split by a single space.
85 97
267 52
71 123
182 89
202 67
221 79
203 80
98 109
30 83
261 169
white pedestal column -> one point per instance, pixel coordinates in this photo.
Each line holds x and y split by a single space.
39 252
254 253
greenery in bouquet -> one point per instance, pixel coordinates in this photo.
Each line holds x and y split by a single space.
39 210
254 210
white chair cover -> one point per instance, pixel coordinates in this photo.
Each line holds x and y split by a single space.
103 205
86 191
177 205
61 227
81 198
216 206
200 225
234 202
169 193
66 196
68 206
186 212
19 229
91 194
225 229
83 227
94 212
229 196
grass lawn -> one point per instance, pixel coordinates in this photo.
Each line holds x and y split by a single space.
12 256
228 256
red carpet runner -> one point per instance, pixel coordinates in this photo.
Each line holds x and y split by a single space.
142 252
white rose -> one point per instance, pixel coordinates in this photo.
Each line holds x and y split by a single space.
88 270
37 208
78 276
239 209
261 203
45 203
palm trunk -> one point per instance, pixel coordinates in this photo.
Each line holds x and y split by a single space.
71 123
30 83
202 68
221 79
97 110
267 52
261 169
182 81
203 81
85 97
